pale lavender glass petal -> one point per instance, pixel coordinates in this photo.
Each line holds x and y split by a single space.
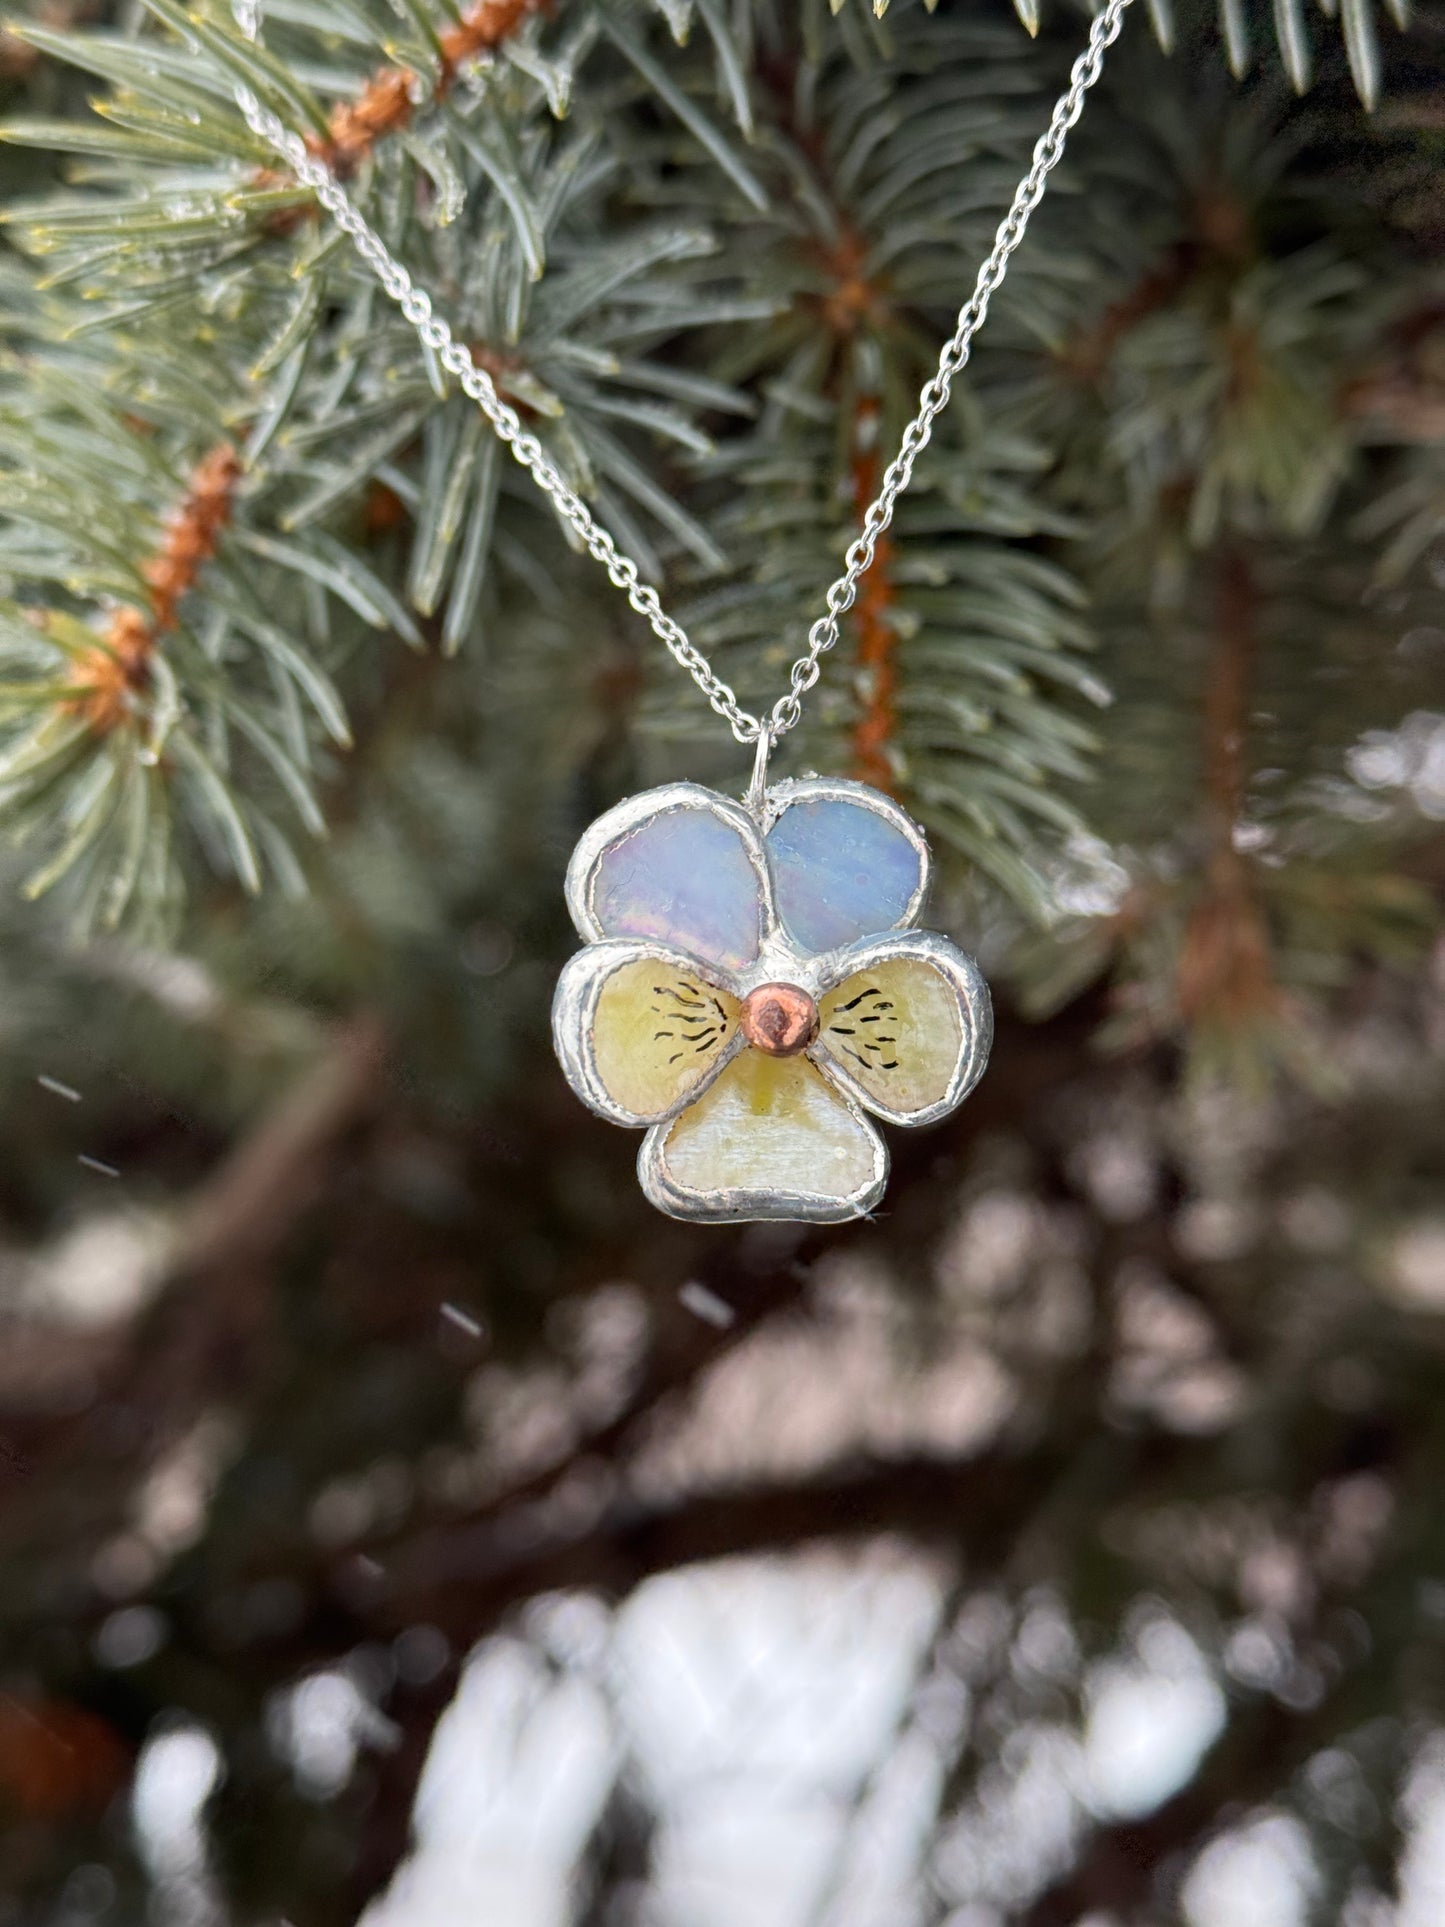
684 876
840 871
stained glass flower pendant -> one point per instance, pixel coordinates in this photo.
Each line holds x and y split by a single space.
752 984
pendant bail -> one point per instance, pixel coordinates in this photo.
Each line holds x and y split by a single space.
756 797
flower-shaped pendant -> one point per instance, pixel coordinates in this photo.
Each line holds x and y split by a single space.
752 983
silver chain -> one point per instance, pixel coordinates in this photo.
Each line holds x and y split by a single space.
435 334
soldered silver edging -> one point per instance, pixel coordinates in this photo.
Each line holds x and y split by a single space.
737 1204
975 1010
843 789
630 815
778 959
574 1025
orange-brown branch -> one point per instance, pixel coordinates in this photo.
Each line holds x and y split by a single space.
1220 233
877 637
1225 970
117 668
387 102
1087 357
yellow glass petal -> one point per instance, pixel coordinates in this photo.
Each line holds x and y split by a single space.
897 1030
656 1032
772 1124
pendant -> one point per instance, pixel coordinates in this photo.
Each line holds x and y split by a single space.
753 984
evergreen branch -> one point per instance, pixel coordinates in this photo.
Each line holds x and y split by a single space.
882 179
1357 18
121 663
1089 353
388 102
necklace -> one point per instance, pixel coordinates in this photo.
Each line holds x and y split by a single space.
753 980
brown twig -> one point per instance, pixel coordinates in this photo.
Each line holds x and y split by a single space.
461 1582
1403 392
1220 234
252 1200
1225 973
118 666
199 1336
856 301
387 103
1087 356
877 637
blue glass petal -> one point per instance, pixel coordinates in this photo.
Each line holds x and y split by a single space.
683 876
841 871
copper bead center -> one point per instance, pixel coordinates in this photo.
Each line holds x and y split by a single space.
779 1019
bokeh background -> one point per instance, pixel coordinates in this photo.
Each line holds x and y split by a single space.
399 1520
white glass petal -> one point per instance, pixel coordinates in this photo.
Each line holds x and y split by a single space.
770 1138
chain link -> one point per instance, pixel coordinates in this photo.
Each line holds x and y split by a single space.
436 334
1048 152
